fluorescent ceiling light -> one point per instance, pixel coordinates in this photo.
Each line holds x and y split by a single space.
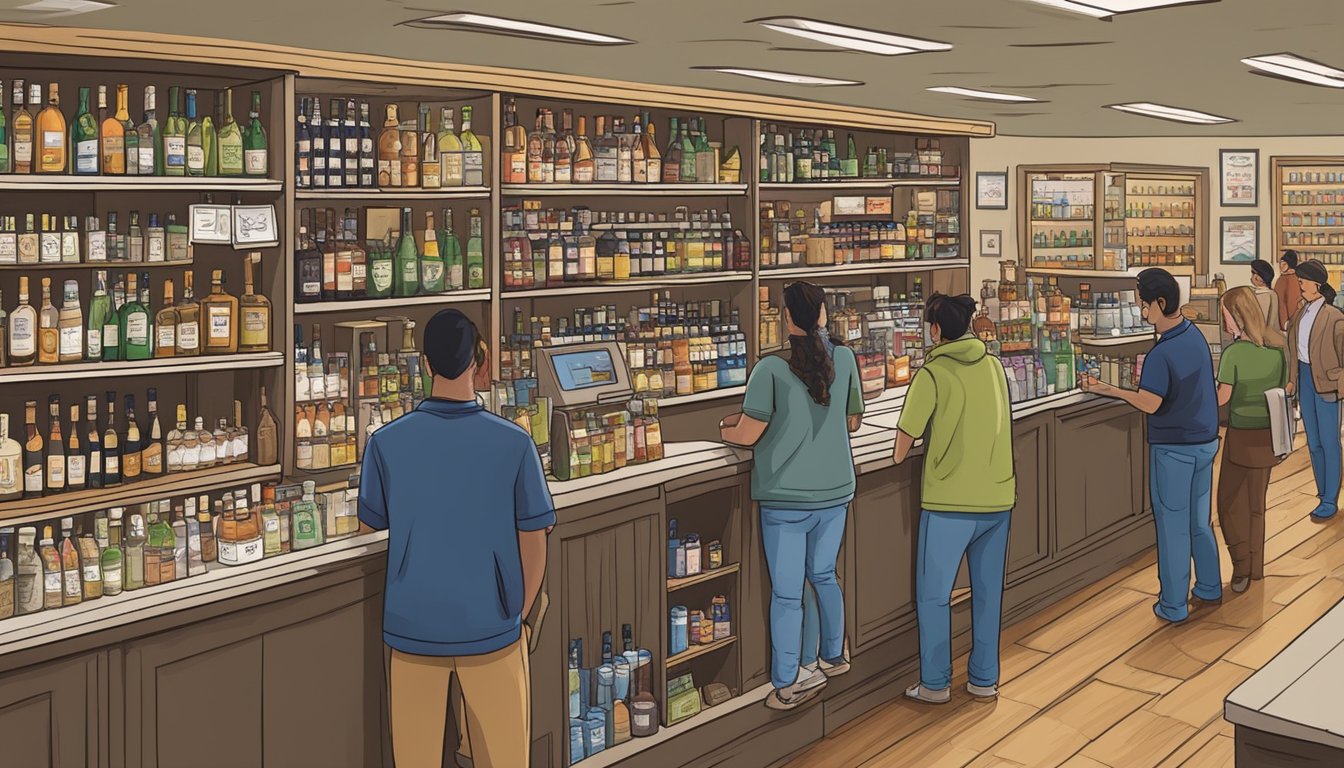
781 77
1104 9
481 22
1297 68
974 94
1178 114
853 38
64 7
1069 5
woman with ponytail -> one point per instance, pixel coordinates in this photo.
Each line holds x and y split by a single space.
797 415
1316 377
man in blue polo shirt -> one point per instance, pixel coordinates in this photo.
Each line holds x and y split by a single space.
1178 392
463 498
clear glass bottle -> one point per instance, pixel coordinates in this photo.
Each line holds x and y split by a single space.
28 571
133 569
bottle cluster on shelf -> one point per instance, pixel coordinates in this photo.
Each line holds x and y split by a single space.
688 628
1160 255
1137 209
1183 230
1168 189
930 230
1072 205
813 155
613 702
553 247
1028 326
614 155
82 454
1062 238
123 325
333 264
605 438
1314 177
689 556
1313 197
342 152
46 142
1107 314
1117 370
51 239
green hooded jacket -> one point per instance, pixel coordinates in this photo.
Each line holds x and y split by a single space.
960 397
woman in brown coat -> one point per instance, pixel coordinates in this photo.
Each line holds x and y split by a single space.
1316 376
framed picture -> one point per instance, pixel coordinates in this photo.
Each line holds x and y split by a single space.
1239 238
1239 177
991 242
991 190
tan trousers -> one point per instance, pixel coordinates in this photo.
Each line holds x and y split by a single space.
1243 482
498 709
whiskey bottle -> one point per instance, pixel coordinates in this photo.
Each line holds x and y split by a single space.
450 151
475 252
267 434
174 149
174 440
69 248
335 147
48 327
255 153
28 578
134 323
53 583
165 324
111 559
152 448
473 153
111 445
350 140
230 140
133 554
23 329
49 241
195 145
514 160
389 151
84 135
368 156
131 458
606 153
95 241
536 147
100 309
93 445
653 159
239 537
430 168
70 326
564 151
76 457
188 336
90 561
150 160
23 131
8 596
181 557
51 132
34 463
303 147
72 576
583 168
255 334
29 242
206 525
11 463
221 317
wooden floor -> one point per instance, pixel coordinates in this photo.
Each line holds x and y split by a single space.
1097 680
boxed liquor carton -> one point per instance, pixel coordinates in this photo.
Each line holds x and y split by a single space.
683 700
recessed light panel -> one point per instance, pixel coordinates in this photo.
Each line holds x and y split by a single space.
853 38
1297 68
976 94
781 77
1104 9
1179 114
479 22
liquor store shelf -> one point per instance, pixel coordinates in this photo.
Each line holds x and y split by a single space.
858 184
452 297
358 193
696 651
152 367
1180 269
675 584
127 265
55 183
867 268
95 499
700 397
648 190
1115 341
629 285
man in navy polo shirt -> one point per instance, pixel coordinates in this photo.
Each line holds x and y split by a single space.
463 498
1178 392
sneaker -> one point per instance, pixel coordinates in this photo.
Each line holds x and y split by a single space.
1322 513
790 698
1241 584
982 691
810 677
840 667
919 693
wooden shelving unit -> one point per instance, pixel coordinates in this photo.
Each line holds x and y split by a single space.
700 578
696 651
1308 216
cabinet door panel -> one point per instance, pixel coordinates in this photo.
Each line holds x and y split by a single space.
202 710
1028 537
48 715
1099 479
879 554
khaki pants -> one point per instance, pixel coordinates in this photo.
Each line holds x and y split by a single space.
497 695
1243 482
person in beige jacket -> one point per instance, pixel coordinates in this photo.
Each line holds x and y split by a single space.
1316 375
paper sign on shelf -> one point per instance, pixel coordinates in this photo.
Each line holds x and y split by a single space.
254 227
211 223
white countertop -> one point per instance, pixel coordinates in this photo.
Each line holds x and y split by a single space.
1296 695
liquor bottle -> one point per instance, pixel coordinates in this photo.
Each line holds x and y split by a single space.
70 326
410 153
653 159
174 441
255 310
69 237
55 465
76 457
230 140
135 239
513 163
389 151
147 138
210 140
5 163
181 557
188 336
49 241
238 434
303 148
406 275
160 561
564 150
152 447
205 444
624 153
8 596
307 526
335 147
9 238
451 173
195 141
221 317
689 149
238 539
131 458
473 153
368 157
133 554
165 324
359 258
11 463
318 135
134 322
255 155
27 245
583 168
23 131
53 589
267 434
95 240
111 559
430 168
84 134
111 445
93 444
432 264
605 153
223 443
174 150
28 591
450 248
350 138
48 327
475 252
131 141
72 576
90 561
195 565
23 329
209 552
51 131
672 158
270 524
536 144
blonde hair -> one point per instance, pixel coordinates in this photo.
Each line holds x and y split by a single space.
1250 318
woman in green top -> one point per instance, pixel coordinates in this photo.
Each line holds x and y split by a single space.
797 414
1249 366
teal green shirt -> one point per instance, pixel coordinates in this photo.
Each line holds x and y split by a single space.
1250 370
803 461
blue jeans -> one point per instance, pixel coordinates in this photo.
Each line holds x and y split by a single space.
944 537
1321 420
802 544
811 627
1181 487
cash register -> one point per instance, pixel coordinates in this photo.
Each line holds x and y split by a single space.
597 425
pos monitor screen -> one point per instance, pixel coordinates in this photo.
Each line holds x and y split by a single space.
585 374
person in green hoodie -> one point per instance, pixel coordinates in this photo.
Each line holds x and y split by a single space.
958 402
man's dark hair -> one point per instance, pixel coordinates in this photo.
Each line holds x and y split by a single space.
1264 271
1289 257
952 314
1156 283
451 341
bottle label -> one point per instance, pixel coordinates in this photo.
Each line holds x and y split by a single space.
473 168
96 247
366 152
51 581
73 586
231 156
146 159
93 573
476 275
188 336
152 459
23 150
431 275
9 248
48 343
429 176
71 342
10 471
110 335
86 156
238 552
191 456
196 157
112 576
381 273
389 173
21 342
272 525
112 464
156 249
255 160
53 147
517 167
563 174
606 168
583 174
165 334
137 329
219 328
131 465
174 151
50 247
254 322
451 167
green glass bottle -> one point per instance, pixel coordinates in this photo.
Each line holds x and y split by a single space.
84 138
450 248
100 310
306 530
162 540
475 252
849 167
406 272
379 284
210 141
687 154
134 331
431 262
111 558
195 138
174 151
230 141
254 142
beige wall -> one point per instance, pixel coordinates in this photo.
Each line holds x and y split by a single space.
1008 152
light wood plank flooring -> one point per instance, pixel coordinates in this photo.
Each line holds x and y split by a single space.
1097 681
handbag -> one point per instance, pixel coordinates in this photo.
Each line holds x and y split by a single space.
1282 422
